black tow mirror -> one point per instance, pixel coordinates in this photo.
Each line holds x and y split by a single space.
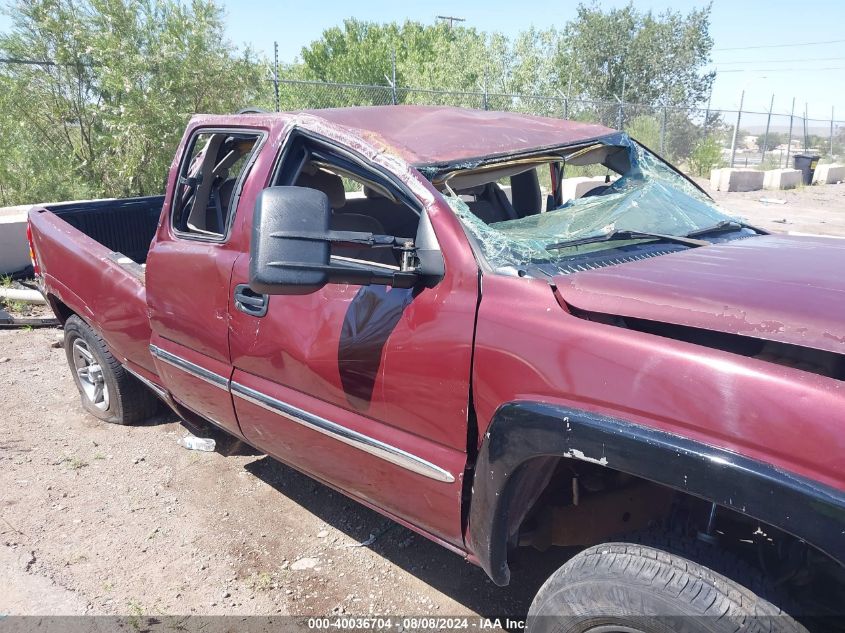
284 265
291 246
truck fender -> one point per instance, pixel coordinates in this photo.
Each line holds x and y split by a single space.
522 432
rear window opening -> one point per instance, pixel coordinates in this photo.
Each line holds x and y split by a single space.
209 182
523 187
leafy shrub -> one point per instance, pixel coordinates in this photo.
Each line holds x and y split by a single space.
706 155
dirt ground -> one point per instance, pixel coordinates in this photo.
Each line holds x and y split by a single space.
104 519
819 209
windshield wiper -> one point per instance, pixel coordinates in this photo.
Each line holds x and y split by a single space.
725 226
627 235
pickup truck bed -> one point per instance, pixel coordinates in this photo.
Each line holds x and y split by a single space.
125 226
98 248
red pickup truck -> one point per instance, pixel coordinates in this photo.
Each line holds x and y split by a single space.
411 305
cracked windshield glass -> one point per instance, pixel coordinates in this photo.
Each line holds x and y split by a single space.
547 212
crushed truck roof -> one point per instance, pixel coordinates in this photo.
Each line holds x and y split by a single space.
428 135
437 135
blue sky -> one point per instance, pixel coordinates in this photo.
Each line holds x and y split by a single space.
735 23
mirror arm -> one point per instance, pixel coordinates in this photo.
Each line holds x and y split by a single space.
351 238
359 276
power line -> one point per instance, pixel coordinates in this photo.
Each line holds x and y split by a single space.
746 48
782 61
778 70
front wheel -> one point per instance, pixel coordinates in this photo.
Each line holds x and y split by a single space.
632 588
107 390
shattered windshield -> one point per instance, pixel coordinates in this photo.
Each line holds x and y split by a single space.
649 198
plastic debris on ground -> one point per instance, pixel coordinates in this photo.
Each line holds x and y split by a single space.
194 443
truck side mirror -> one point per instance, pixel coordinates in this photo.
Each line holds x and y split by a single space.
282 261
290 251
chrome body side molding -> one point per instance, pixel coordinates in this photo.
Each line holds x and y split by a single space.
333 430
355 439
221 382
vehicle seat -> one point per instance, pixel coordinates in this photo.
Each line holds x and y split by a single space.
397 219
525 193
329 184
365 224
217 211
490 204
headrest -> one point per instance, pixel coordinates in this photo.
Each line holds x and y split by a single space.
329 184
371 193
477 190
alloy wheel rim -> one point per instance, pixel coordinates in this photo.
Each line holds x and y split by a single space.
90 375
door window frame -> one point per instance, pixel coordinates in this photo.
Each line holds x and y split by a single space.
184 164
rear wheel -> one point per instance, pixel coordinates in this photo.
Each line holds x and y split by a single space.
627 587
107 390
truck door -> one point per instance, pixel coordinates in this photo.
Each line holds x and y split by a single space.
188 272
364 387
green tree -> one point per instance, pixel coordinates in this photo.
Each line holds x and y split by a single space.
127 76
426 56
645 129
659 58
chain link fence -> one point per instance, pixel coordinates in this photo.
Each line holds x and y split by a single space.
697 139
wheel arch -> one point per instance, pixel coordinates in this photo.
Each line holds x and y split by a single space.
62 311
523 436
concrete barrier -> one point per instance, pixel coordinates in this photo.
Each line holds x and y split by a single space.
829 174
14 250
737 180
571 188
781 178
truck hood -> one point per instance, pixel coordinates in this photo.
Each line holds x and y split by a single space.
781 288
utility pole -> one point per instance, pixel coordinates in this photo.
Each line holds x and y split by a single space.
789 141
276 75
766 135
736 127
451 19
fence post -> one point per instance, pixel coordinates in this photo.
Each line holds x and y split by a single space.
566 113
393 78
831 131
736 128
789 140
485 103
620 114
766 135
707 112
663 132
276 76
806 138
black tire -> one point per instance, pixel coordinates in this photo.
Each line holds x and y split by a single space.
636 587
109 393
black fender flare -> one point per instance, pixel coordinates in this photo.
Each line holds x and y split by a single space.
523 431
